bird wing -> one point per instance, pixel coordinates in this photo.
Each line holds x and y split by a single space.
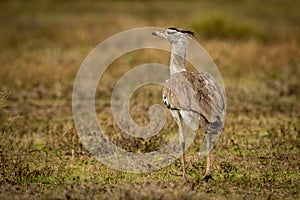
197 92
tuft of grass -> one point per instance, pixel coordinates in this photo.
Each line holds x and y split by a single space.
3 101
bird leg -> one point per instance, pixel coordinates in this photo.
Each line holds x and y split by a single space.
208 174
179 122
183 160
182 142
208 170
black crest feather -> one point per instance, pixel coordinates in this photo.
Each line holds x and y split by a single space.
183 31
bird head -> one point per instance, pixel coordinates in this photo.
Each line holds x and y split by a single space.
174 35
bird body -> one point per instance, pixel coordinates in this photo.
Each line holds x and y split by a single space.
193 98
197 97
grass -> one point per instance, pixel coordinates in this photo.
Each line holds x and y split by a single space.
256 47
222 28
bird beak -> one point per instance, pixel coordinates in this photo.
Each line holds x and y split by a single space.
158 33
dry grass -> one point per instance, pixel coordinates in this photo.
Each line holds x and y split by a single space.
42 46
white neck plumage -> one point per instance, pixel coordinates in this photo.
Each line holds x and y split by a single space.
178 56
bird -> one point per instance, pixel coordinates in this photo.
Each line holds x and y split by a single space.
193 98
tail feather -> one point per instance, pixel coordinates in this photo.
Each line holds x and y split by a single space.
208 144
213 132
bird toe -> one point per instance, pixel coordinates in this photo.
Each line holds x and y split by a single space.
207 177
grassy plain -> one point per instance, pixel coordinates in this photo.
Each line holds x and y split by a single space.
256 46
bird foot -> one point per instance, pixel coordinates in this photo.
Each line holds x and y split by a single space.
184 176
207 177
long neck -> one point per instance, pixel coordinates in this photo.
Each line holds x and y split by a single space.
178 55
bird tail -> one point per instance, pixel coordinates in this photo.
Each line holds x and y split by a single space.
208 144
212 135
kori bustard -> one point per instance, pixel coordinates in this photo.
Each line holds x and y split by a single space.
193 98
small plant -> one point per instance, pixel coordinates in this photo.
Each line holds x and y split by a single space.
3 96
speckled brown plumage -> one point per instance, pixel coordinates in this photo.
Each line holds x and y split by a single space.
199 93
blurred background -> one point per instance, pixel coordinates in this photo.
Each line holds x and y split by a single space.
254 43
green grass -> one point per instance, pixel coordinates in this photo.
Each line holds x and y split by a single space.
222 27
256 47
